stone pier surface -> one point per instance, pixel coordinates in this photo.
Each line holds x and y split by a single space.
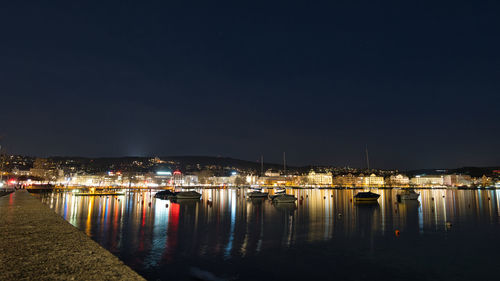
38 244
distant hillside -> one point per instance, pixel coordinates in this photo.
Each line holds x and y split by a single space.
184 163
476 171
472 171
203 161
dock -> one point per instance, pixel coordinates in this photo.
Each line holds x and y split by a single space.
38 244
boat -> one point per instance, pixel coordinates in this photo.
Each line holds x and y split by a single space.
366 197
274 195
408 194
369 196
188 195
284 198
256 187
165 194
257 194
40 188
280 190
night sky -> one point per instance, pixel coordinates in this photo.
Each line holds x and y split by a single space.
418 82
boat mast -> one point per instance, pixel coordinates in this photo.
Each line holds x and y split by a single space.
284 163
368 167
261 165
2 159
367 159
1 168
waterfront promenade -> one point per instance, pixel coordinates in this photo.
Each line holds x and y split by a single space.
38 244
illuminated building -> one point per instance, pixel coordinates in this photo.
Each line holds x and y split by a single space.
373 181
44 169
348 180
314 178
485 181
191 180
163 177
85 180
222 180
427 181
251 179
457 180
177 178
275 181
398 180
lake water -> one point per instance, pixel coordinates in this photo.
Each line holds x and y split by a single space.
445 235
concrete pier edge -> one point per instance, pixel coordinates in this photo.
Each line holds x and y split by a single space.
38 244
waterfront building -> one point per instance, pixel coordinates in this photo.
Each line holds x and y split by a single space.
275 181
457 180
373 181
85 180
163 177
47 174
298 180
218 181
177 178
191 180
427 180
485 181
398 180
348 180
44 169
321 179
251 179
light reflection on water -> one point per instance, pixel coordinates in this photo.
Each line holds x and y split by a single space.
228 234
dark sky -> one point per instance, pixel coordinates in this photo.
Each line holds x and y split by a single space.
418 82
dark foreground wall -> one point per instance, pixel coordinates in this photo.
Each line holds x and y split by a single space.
38 244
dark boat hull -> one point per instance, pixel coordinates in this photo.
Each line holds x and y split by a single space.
366 197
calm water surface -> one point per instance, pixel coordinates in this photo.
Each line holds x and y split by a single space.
446 235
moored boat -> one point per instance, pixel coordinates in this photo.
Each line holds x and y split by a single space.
279 190
272 196
165 194
277 193
188 195
257 194
39 188
284 198
366 197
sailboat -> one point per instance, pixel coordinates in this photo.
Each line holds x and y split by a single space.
366 196
257 194
284 198
2 183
